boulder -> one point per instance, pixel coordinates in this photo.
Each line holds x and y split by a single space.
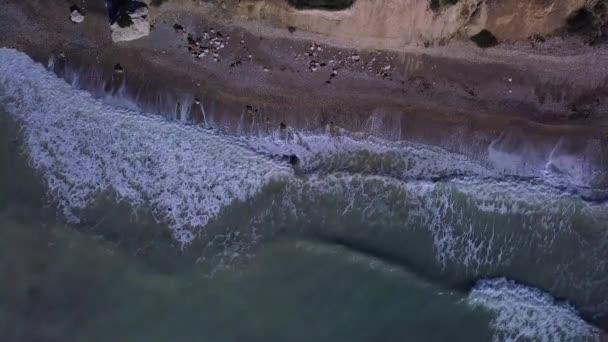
76 14
128 20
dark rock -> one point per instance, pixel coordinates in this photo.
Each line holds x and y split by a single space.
321 4
291 159
581 20
118 69
124 20
590 22
485 39
437 5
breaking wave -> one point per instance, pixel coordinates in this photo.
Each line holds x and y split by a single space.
84 147
527 314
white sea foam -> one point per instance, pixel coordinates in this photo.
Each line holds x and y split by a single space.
188 174
527 314
83 147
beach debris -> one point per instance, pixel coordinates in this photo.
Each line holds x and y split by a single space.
332 75
209 42
76 14
235 62
178 28
331 129
118 69
314 65
292 159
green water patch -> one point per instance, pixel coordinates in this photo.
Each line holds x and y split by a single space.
22 195
67 286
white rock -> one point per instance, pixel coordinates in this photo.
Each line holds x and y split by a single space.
76 16
140 12
139 28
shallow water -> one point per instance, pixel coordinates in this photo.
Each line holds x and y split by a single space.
166 231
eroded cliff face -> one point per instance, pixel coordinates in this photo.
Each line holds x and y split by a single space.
395 23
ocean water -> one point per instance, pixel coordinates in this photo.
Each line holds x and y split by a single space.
121 225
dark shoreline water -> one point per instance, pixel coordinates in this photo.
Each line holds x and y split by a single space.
298 236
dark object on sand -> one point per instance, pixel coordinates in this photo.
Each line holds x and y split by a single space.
591 23
292 159
75 8
581 20
178 27
332 5
485 39
157 2
437 5
118 69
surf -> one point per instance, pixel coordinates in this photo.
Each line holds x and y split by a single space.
453 218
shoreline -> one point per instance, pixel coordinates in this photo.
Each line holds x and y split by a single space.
452 102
